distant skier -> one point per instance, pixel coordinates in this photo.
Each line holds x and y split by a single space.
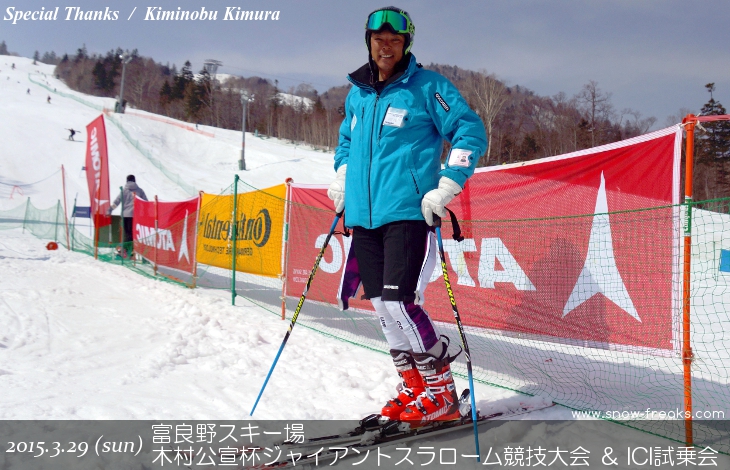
28 92
13 67
72 133
48 99
397 116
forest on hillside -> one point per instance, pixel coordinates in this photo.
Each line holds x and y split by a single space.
521 125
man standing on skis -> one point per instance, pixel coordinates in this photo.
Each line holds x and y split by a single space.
390 183
126 197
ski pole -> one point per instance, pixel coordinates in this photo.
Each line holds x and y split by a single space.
465 346
299 306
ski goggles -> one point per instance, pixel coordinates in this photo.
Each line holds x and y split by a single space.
400 23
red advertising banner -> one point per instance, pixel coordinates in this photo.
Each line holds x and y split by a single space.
542 258
97 172
164 232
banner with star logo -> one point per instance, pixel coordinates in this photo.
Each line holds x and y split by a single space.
581 248
164 232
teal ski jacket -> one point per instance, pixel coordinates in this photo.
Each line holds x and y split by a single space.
392 142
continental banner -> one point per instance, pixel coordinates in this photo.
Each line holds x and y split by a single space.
259 219
541 256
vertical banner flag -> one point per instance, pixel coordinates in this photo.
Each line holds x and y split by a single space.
260 224
542 257
97 171
173 243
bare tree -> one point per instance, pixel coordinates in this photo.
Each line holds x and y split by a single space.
597 106
490 95
677 118
637 126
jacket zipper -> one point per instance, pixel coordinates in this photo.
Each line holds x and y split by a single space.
372 130
414 181
370 167
380 130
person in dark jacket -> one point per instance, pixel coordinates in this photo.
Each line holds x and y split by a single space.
126 197
390 183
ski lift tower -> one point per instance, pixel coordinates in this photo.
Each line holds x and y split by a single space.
211 66
119 106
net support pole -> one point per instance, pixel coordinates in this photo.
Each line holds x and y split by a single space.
95 216
121 226
73 225
96 241
65 208
195 245
157 229
55 226
25 215
687 356
234 232
285 248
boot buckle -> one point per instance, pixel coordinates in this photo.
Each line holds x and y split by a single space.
432 397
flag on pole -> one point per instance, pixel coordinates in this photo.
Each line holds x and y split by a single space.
97 172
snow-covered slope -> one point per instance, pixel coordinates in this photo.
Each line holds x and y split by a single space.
35 144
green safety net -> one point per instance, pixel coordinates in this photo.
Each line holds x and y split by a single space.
641 387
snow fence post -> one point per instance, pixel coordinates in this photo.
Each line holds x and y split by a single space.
157 230
195 246
687 355
234 230
65 207
73 225
285 248
121 226
58 209
25 215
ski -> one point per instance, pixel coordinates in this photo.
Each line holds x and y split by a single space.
338 447
369 424
375 423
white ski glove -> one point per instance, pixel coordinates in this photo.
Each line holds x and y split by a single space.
336 192
434 201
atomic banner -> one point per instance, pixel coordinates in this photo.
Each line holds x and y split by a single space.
259 217
97 172
579 248
164 232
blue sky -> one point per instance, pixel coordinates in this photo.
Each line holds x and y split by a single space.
653 56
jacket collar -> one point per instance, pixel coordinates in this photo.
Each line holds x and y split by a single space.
365 76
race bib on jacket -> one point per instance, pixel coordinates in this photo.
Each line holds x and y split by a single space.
459 157
394 117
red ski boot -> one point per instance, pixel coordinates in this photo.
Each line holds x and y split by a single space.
409 389
439 401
